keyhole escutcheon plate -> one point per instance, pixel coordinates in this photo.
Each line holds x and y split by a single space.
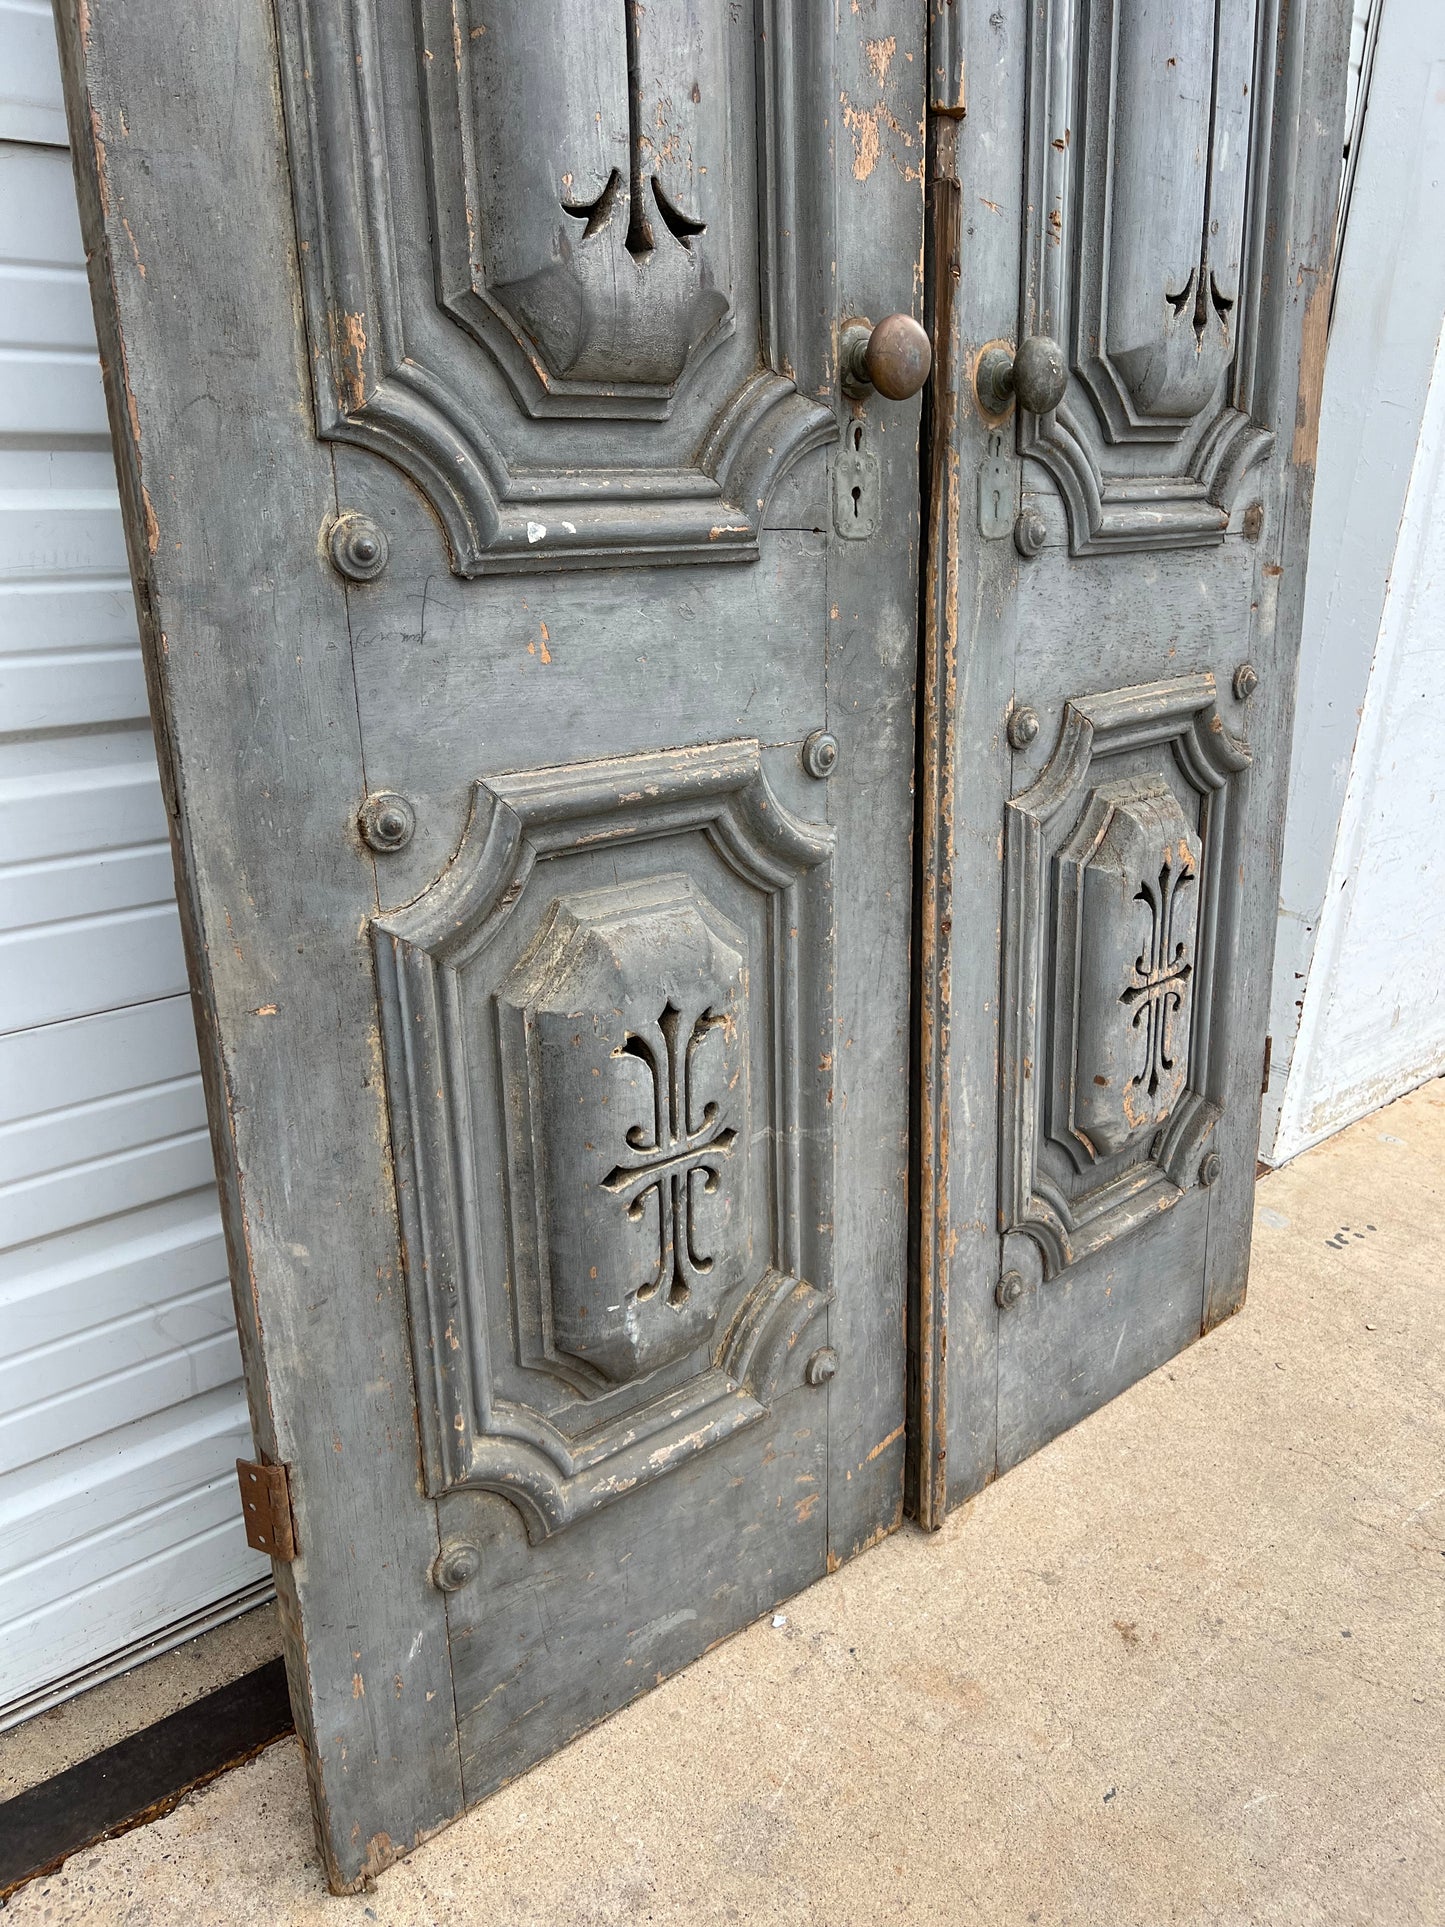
856 488
996 490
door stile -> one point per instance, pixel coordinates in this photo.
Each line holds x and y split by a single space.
368 1671
877 122
967 644
1306 143
106 272
926 1472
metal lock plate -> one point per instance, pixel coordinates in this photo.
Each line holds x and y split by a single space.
995 491
856 489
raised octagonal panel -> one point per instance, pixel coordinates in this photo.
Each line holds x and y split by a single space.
607 1030
1119 894
624 1032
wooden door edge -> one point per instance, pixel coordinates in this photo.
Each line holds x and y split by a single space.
925 1476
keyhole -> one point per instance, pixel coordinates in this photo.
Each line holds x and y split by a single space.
857 501
857 434
997 503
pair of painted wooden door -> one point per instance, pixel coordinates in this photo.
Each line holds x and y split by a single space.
583 836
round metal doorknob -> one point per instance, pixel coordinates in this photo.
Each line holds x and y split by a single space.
1036 377
894 358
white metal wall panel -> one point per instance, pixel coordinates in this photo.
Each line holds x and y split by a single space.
121 1408
30 104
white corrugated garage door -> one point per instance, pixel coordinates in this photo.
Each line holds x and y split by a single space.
121 1409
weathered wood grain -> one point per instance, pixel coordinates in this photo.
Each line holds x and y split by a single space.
1309 115
245 632
1116 590
288 341
877 139
562 1634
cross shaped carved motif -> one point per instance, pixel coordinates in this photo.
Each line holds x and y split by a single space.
1155 992
684 1146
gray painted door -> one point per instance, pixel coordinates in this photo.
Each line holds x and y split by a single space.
530 616
1142 200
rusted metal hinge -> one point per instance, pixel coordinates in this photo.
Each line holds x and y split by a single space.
1268 1055
266 1508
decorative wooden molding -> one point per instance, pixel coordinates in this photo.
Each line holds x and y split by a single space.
601 1025
570 374
1115 887
1151 285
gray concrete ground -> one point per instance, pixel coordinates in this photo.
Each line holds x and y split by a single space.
1182 1667
72 1731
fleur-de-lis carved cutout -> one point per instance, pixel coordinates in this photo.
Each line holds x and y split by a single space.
1155 992
1203 290
640 241
682 1149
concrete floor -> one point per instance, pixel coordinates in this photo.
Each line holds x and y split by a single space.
1185 1666
80 1727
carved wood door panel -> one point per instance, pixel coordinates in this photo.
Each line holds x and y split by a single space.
1141 201
531 607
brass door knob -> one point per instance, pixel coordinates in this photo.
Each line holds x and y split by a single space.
1036 377
894 358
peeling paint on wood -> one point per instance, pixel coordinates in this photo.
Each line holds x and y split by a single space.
246 267
1036 1303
